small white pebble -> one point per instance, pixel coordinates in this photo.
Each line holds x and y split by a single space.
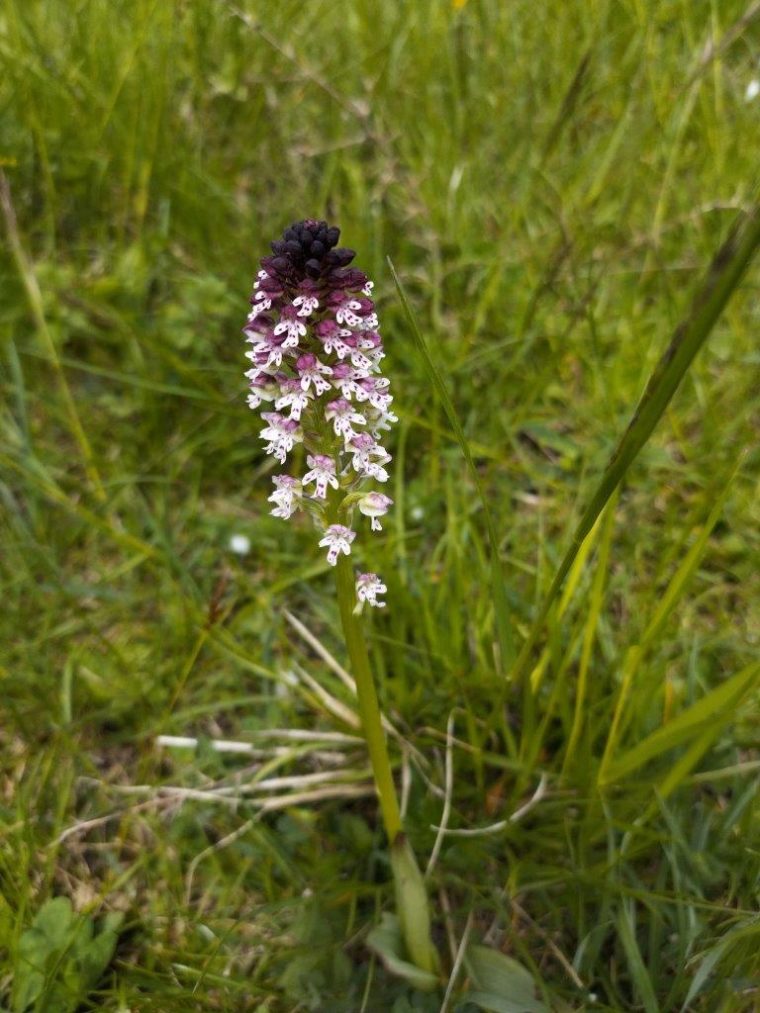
417 513
753 90
240 545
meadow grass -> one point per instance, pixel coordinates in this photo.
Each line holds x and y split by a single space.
550 185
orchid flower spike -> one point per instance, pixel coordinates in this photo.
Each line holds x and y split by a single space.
314 350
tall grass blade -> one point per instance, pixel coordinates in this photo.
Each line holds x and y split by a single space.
636 966
707 712
668 601
589 634
498 588
688 566
34 296
722 278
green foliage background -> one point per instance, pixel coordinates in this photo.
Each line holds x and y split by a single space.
550 183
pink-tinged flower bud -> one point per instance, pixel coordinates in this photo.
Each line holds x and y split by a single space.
342 371
374 505
350 278
263 387
326 328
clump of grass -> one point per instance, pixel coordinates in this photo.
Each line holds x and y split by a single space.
550 192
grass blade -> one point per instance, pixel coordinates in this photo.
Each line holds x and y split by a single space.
636 966
668 601
34 296
498 589
589 634
706 713
723 276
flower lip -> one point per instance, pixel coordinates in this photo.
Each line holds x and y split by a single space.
337 539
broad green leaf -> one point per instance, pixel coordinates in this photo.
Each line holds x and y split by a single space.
98 953
53 920
503 985
60 958
385 940
722 278
498 587
689 724
29 972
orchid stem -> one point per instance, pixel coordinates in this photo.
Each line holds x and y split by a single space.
369 708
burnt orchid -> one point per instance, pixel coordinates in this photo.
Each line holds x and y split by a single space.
316 380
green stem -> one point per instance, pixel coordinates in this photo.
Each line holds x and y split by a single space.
369 709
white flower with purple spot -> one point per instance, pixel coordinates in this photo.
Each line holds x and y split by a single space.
312 373
295 330
343 417
370 388
268 350
358 359
345 379
306 304
257 309
282 434
322 474
346 313
365 448
286 496
337 539
333 338
368 587
293 397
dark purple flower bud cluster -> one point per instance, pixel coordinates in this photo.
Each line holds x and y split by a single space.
315 364
307 250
